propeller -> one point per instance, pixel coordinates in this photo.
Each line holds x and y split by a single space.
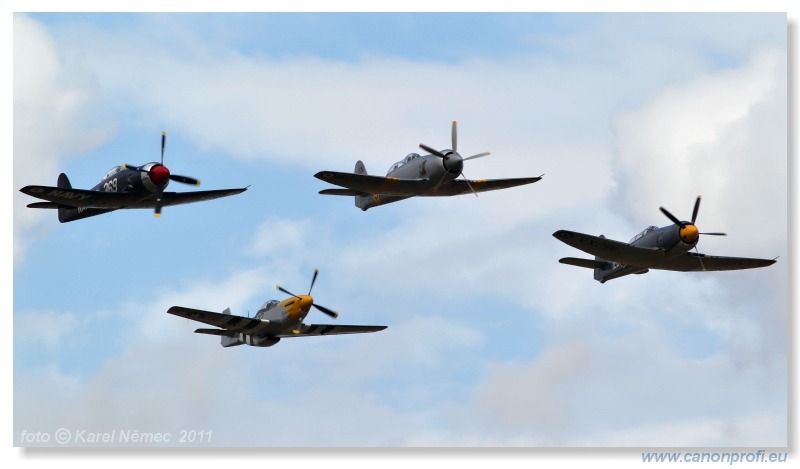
325 310
160 176
688 232
453 162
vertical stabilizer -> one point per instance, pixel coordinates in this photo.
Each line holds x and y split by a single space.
229 338
600 273
362 201
65 214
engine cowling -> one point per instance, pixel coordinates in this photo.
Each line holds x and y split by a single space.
155 176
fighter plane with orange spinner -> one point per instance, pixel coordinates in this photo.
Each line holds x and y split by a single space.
431 175
665 248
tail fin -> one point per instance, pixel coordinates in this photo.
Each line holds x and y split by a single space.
229 338
602 271
360 168
67 214
362 201
63 182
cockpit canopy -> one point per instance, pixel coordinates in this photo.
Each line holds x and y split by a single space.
112 172
269 305
640 235
410 157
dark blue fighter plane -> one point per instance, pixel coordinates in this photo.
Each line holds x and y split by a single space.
122 187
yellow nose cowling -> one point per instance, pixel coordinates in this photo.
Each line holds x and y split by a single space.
299 307
689 234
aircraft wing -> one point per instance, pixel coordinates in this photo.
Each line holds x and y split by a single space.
692 262
359 184
332 329
611 250
229 322
462 186
373 184
177 198
70 197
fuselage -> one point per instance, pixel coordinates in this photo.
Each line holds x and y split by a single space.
434 169
430 168
145 180
277 317
672 241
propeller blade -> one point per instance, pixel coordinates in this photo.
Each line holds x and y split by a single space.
700 258
441 181
313 279
479 155
159 201
184 179
714 234
466 179
432 151
454 136
327 311
163 144
670 216
280 288
696 209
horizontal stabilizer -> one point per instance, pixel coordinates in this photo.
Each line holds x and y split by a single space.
349 192
43 205
222 332
587 263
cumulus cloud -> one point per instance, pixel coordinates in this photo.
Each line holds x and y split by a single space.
710 136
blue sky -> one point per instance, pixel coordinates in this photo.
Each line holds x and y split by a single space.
491 342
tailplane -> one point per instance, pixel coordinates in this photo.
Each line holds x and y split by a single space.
227 338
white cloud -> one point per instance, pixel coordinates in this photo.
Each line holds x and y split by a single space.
720 135
55 118
47 329
280 237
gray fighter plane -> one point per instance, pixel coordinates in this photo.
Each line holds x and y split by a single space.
275 320
665 248
416 175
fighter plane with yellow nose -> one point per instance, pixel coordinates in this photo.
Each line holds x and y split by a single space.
275 320
665 248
